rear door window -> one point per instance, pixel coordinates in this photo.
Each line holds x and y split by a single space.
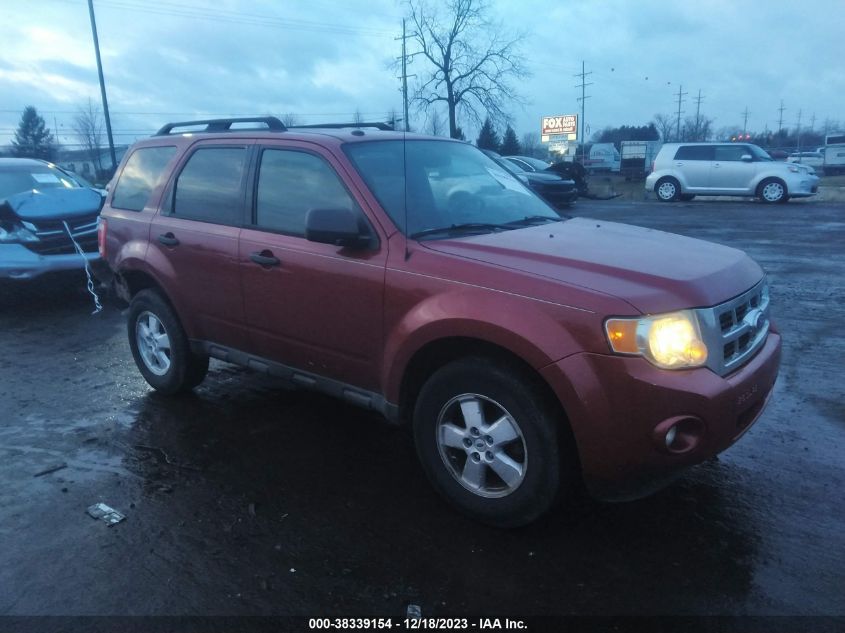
142 174
694 152
731 152
210 186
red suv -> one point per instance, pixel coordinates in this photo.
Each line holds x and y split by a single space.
416 277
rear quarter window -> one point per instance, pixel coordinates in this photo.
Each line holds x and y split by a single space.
142 174
694 152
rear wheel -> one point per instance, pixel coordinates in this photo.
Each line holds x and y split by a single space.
772 190
667 189
160 346
488 442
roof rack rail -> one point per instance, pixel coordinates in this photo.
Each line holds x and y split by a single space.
225 125
379 125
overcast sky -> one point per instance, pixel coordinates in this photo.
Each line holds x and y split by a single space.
325 59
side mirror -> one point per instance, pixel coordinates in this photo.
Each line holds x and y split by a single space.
335 226
746 158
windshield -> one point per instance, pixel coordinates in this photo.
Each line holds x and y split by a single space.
29 177
448 184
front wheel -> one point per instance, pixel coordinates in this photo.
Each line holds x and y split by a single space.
488 442
160 346
772 190
667 190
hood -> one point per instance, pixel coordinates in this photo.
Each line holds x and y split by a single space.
651 270
53 204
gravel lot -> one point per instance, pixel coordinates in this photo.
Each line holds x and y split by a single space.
247 499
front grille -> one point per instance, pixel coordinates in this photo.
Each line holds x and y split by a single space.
738 328
54 240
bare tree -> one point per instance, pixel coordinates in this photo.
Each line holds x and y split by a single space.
473 61
697 129
357 119
435 125
89 127
664 124
290 119
531 144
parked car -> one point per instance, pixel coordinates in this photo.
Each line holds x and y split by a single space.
811 159
43 210
684 170
558 191
528 351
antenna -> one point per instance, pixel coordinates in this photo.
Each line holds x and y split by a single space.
405 181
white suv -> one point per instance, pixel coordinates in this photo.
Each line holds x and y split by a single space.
682 170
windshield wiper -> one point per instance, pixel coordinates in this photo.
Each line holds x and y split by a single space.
535 219
467 227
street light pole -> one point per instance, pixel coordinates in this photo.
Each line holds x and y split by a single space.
102 84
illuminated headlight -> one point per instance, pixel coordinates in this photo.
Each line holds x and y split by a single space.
670 341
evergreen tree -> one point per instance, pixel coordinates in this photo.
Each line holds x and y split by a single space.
32 138
487 137
510 144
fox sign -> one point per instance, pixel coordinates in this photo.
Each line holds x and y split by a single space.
564 124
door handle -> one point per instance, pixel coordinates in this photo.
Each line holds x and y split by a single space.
168 239
265 258
679 164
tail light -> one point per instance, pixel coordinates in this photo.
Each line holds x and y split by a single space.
101 237
652 166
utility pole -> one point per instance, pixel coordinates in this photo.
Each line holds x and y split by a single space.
813 122
102 84
745 121
698 101
404 77
583 98
681 95
798 133
780 119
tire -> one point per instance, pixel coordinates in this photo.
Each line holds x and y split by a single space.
510 430
667 190
686 197
772 191
160 347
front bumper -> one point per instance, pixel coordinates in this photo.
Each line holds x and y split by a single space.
619 407
803 187
18 262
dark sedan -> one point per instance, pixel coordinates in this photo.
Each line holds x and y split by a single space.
558 191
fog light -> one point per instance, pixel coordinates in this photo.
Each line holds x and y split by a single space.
670 436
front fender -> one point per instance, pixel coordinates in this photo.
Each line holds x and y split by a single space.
533 330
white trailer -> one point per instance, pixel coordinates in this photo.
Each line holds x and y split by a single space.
834 154
637 158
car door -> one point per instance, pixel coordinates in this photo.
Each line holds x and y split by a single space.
693 164
731 174
314 307
194 241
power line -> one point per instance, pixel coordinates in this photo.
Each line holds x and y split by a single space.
780 118
177 10
404 37
583 98
681 95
